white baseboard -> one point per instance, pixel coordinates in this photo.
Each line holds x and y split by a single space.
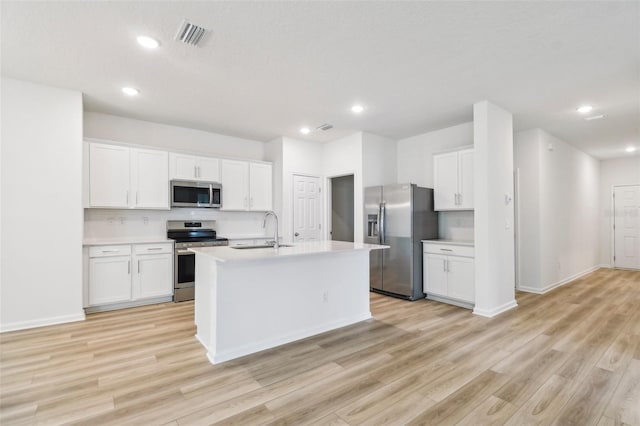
41 322
454 302
237 352
546 289
490 313
125 305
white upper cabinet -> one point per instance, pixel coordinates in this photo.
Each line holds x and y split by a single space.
121 177
109 175
453 180
149 179
260 186
191 167
246 185
235 184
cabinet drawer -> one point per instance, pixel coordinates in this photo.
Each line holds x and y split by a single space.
106 251
448 249
153 248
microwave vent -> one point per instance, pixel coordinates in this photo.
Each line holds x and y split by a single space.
190 33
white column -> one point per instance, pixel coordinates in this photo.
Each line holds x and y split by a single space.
493 197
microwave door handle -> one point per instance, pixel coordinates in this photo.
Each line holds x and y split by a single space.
210 194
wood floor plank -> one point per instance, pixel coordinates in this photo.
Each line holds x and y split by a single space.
571 356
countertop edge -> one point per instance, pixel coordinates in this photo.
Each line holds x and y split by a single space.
115 241
198 250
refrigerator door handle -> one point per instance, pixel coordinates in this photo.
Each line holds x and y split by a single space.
383 224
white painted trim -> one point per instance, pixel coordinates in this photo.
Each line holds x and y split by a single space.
216 358
562 282
23 325
329 206
320 205
132 304
613 221
496 311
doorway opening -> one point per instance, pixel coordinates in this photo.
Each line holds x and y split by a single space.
626 227
341 209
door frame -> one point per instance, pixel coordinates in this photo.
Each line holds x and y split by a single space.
293 202
329 205
612 221
327 212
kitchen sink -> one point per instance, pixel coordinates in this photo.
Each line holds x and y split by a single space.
262 246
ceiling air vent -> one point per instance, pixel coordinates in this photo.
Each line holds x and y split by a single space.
324 127
190 33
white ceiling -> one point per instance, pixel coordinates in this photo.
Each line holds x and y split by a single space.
269 68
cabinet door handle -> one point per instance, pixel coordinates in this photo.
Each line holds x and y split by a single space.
447 265
138 266
111 251
136 198
446 250
154 248
444 265
128 267
127 203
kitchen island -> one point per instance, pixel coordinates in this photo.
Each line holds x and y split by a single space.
248 300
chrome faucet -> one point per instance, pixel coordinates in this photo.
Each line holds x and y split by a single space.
276 243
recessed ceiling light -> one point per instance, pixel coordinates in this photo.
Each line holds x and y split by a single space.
357 109
147 42
594 117
130 91
631 149
305 130
584 109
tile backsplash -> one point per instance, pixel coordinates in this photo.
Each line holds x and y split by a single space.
457 225
116 223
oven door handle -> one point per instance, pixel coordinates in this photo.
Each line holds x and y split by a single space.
182 252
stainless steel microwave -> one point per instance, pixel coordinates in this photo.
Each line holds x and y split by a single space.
186 193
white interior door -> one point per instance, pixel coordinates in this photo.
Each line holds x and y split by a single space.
627 226
306 208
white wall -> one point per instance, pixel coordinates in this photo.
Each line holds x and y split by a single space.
415 165
379 160
298 157
111 127
527 147
619 171
41 276
342 157
559 211
415 154
493 217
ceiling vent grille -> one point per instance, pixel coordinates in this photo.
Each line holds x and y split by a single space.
190 33
324 127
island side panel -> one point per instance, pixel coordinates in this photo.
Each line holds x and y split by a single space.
205 301
265 303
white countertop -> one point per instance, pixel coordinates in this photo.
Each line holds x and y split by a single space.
451 242
227 254
124 240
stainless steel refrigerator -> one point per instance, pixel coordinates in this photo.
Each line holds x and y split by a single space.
400 216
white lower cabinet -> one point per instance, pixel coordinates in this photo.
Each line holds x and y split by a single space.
127 275
153 276
449 272
109 279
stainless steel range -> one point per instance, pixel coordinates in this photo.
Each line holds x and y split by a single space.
189 234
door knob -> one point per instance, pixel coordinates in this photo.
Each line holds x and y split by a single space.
296 234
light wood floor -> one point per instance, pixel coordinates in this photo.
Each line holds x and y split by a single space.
569 357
